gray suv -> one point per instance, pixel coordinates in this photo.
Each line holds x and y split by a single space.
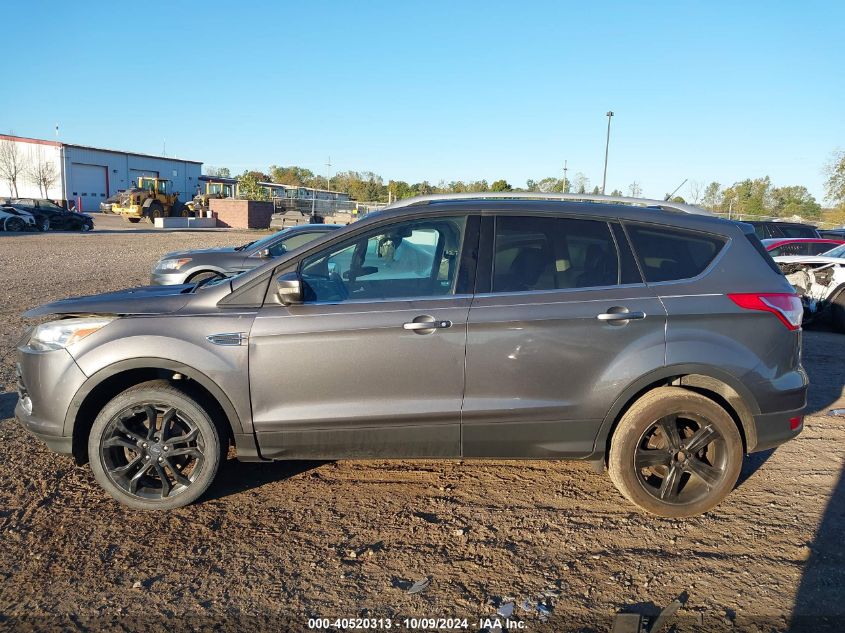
655 341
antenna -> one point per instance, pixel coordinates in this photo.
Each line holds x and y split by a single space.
669 195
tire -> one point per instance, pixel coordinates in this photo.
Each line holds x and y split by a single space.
669 481
129 456
14 225
202 276
837 312
155 210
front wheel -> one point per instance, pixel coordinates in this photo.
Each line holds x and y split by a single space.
14 224
153 447
675 453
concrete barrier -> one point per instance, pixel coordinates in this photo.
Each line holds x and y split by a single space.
185 223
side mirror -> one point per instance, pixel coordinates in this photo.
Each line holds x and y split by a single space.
289 289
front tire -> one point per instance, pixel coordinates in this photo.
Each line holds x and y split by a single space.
154 447
675 453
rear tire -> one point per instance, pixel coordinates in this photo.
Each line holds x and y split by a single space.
837 312
153 447
675 473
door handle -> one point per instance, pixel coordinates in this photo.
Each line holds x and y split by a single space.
426 324
617 314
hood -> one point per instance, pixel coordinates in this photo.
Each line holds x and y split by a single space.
199 251
134 301
809 259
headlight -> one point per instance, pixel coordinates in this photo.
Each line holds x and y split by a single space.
60 334
172 264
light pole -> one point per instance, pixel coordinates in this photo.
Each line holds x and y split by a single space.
606 149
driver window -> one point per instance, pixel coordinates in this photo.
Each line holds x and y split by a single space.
418 258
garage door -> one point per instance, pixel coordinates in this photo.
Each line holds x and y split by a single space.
88 185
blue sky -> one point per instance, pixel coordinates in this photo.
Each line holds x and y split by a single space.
441 90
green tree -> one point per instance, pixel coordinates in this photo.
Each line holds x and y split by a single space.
292 175
750 197
712 196
795 200
248 187
835 184
500 185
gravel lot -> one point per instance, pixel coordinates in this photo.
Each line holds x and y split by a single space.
275 544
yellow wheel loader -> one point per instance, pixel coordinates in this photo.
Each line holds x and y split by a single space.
150 200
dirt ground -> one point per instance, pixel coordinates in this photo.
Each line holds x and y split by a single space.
276 544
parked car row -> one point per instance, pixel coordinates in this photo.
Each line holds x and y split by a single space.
43 215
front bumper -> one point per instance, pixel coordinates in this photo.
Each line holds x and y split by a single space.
49 380
170 278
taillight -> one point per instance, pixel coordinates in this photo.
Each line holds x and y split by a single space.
785 306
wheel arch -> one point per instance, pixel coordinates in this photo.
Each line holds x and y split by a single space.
103 385
718 385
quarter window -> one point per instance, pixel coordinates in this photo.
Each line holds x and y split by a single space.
547 253
668 254
410 259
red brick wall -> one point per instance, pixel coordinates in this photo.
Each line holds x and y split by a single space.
241 214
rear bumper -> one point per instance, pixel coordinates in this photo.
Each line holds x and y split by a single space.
773 429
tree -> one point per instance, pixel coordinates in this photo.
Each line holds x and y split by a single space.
750 197
696 191
292 175
712 196
248 187
835 184
500 185
11 165
795 200
42 172
580 183
218 172
634 190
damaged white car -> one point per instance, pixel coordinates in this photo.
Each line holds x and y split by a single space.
820 282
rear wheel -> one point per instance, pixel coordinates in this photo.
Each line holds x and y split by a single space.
675 453
837 311
154 447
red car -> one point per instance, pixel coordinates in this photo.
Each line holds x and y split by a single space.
799 246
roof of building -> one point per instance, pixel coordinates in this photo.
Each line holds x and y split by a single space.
38 141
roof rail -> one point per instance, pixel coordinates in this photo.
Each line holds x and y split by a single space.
535 195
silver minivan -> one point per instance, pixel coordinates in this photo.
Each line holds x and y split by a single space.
648 338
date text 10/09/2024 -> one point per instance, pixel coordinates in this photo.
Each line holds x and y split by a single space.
446 624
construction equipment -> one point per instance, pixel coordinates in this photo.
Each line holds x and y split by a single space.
150 200
213 191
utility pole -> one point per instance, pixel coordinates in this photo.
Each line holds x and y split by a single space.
564 175
606 150
328 173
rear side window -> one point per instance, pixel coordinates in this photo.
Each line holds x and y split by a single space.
794 230
547 253
668 254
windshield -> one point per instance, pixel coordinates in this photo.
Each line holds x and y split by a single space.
839 251
265 242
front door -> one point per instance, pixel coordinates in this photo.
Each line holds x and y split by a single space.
562 326
372 363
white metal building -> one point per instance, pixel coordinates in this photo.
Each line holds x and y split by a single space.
89 175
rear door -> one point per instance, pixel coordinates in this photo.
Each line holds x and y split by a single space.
562 322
